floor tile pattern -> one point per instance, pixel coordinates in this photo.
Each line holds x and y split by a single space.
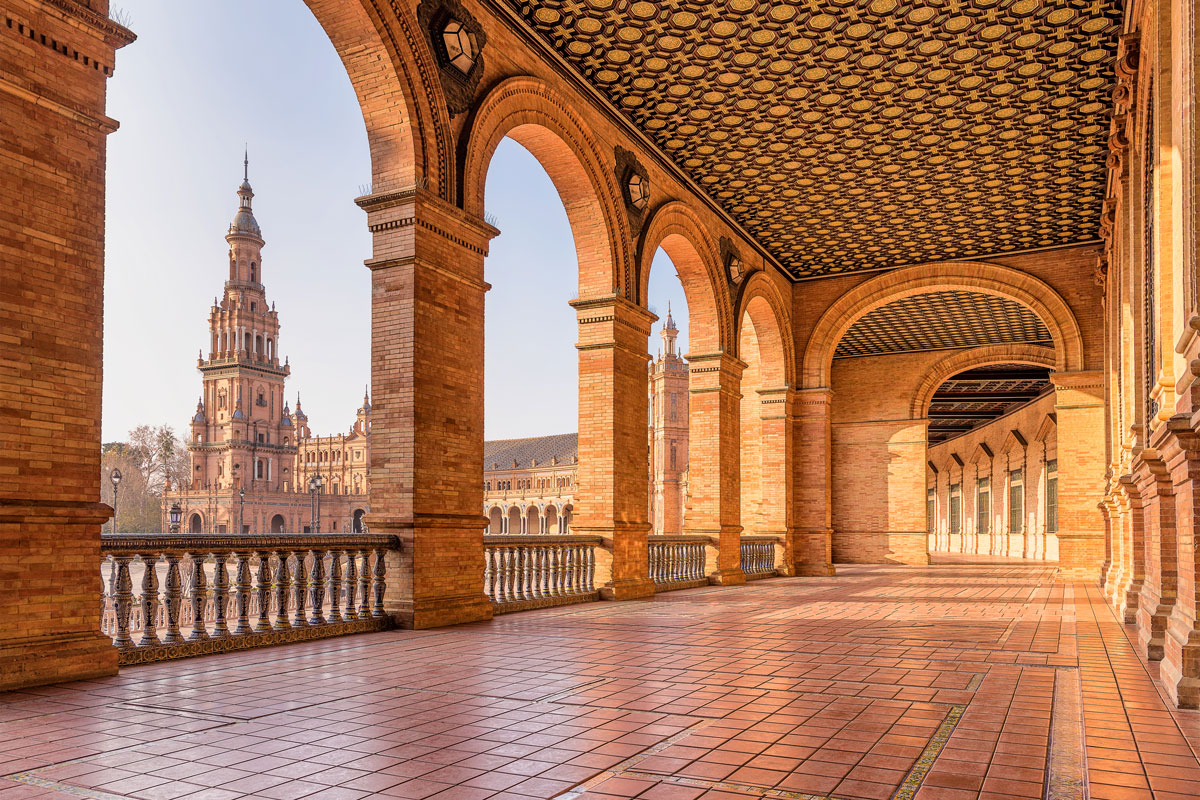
962 682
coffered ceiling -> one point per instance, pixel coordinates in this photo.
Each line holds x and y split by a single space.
851 135
942 320
978 396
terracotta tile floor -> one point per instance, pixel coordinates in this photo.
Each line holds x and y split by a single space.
962 682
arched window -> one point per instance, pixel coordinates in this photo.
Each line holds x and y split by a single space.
259 469
253 273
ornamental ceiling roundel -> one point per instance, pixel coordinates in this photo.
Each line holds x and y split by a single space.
853 135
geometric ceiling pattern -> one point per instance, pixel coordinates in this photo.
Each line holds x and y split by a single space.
980 395
941 321
851 135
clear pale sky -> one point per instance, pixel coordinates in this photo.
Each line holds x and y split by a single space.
202 81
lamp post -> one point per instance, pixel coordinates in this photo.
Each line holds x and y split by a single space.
174 514
115 477
241 509
314 486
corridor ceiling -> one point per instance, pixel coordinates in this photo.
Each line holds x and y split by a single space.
940 321
978 396
854 135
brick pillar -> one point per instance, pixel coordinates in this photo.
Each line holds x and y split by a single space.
427 294
1133 574
778 422
613 475
714 456
812 537
1079 408
51 315
1180 670
1158 521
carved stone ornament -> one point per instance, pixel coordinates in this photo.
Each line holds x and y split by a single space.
734 266
457 41
635 186
1100 274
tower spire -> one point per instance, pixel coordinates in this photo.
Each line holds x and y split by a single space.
246 164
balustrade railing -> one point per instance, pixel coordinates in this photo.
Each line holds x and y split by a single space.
676 560
537 571
173 595
758 555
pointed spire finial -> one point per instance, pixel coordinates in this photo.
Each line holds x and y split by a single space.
246 163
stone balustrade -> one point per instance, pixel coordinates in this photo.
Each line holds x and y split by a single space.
678 562
759 555
539 571
177 595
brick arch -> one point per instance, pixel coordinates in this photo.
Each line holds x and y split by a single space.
539 119
977 357
975 276
679 232
408 125
764 305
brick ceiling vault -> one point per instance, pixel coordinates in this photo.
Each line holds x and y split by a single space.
855 135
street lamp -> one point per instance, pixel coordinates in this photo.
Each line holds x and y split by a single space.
314 487
241 509
174 514
115 477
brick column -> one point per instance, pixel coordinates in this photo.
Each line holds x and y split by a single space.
714 459
427 294
613 475
1180 670
1158 520
1133 575
51 318
812 537
1079 408
778 422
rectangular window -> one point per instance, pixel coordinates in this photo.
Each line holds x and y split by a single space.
931 509
983 507
956 508
1016 502
1052 496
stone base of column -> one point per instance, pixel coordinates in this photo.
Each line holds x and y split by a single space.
1180 669
441 611
812 552
727 577
57 658
1152 628
632 589
1127 602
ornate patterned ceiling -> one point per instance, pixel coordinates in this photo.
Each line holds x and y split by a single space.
978 396
853 135
940 321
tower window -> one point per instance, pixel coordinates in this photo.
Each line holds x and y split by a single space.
253 278
253 306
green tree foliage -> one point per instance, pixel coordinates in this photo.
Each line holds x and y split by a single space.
152 461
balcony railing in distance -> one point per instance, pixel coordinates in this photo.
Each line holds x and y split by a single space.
678 562
539 570
171 595
759 556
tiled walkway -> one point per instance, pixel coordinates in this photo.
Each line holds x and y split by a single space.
946 683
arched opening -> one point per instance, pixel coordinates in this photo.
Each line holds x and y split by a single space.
512 521
356 525
763 346
278 524
552 519
196 524
495 521
533 520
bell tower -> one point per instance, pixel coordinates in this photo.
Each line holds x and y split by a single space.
242 433
668 387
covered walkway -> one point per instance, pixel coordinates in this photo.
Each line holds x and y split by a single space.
949 682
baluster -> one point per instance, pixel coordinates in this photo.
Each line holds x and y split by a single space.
554 576
572 574
364 585
262 590
654 562
509 570
544 565
172 599
299 589
489 573
335 585
197 594
351 584
378 583
220 594
590 567
316 589
281 587
528 573
241 592
537 560
122 593
149 601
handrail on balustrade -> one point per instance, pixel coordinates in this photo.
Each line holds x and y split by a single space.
168 542
509 539
680 538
